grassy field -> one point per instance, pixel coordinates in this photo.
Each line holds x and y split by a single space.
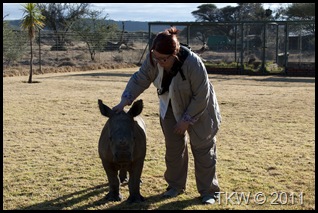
266 144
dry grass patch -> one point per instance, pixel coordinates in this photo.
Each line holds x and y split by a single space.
51 131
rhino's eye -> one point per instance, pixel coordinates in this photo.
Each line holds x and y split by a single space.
110 138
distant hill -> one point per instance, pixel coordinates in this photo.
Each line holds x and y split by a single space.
133 26
130 26
15 24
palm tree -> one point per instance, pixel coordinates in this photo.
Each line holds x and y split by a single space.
32 20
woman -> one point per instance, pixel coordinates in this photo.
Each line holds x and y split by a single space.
187 103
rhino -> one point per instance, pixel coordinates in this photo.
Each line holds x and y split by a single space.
122 150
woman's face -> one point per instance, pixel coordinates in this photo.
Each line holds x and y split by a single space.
165 61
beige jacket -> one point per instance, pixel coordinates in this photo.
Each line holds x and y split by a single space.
192 99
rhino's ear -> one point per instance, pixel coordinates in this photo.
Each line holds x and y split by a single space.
136 108
105 110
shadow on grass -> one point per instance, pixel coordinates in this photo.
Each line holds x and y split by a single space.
219 77
33 82
269 79
93 74
69 200
149 201
72 201
290 80
180 204
118 74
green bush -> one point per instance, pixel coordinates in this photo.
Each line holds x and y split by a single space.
14 44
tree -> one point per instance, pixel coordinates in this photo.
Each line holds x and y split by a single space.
60 17
94 31
204 13
301 11
230 13
14 44
252 12
242 12
32 20
208 13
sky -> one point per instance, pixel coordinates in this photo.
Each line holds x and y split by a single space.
136 11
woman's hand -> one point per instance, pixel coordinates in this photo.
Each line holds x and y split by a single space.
181 127
119 107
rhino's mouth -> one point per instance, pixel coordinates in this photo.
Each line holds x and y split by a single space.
123 157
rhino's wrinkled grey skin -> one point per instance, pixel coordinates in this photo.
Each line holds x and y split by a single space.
122 149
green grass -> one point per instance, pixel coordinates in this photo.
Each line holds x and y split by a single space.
266 143
270 67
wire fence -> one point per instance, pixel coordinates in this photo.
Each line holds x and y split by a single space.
254 43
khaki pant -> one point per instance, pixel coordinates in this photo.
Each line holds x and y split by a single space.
176 159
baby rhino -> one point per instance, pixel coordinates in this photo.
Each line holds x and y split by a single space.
122 149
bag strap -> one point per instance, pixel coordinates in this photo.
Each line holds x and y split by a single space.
182 55
176 67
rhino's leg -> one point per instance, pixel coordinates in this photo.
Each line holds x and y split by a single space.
123 175
134 182
113 180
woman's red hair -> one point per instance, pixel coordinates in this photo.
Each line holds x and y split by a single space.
166 42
